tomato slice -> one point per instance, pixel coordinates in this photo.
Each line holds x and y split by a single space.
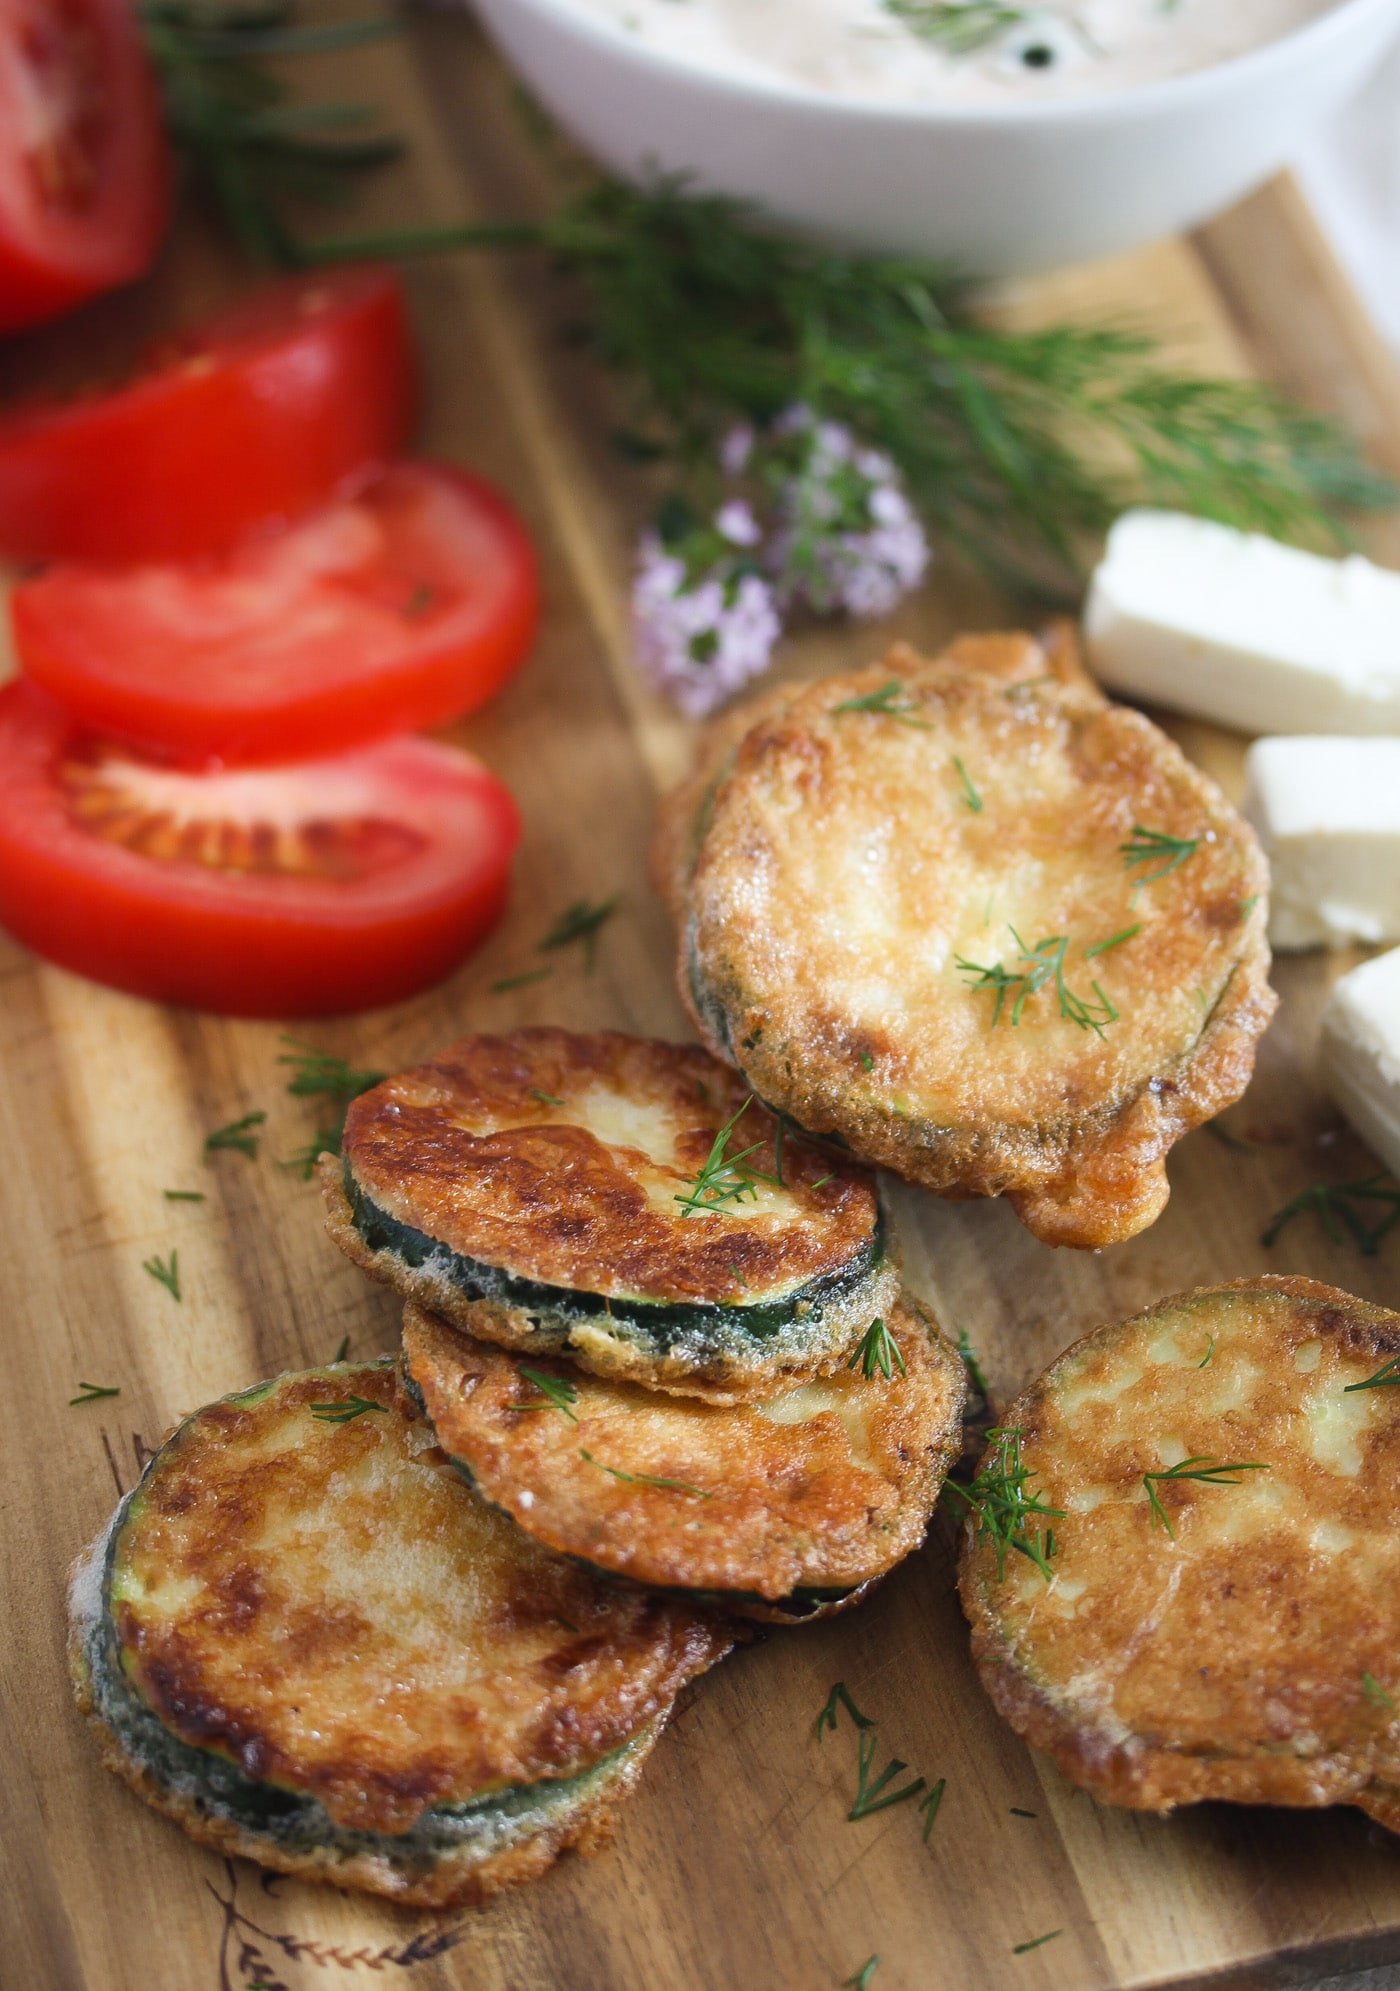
297 891
403 606
260 414
84 166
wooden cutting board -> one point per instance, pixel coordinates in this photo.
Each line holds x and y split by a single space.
735 1866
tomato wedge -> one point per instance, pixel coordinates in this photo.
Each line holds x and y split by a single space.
259 414
400 607
299 891
84 166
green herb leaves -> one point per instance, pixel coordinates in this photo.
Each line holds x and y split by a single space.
345 1410
958 27
724 1178
969 792
999 1499
647 1479
889 702
1165 853
581 922
1041 965
165 1272
1376 1693
1387 1377
837 1699
316 1074
92 1393
240 1135
1341 1208
554 1394
1205 1470
873 1793
878 1349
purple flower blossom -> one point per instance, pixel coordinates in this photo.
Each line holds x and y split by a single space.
703 621
847 536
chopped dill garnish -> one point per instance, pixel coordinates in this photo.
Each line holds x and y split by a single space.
183 1195
509 982
344 1410
878 1349
341 1352
554 1394
1376 1694
167 1275
1019 1811
970 795
1042 964
1387 1377
581 921
822 1181
867 1063
929 1806
1116 940
1000 1501
724 1177
238 1135
1334 1203
1155 847
1205 1470
1021 1949
325 1141
958 27
885 704
317 1074
872 1796
544 1098
1247 905
1209 1355
647 1479
737 1276
837 1699
974 1367
861 1980
92 1393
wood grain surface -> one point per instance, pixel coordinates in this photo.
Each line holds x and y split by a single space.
736 1865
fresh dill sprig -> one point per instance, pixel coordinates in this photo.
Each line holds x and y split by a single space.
837 1699
1376 1693
1335 1203
544 1098
1209 1355
325 1141
647 1479
874 1794
1041 964
183 1195
316 1073
1022 1949
878 1349
1000 1501
165 1274
343 1350
1155 847
238 1135
581 921
974 1367
92 1393
509 982
861 1980
958 27
970 794
1205 1470
1019 1811
555 1393
929 1806
345 1409
1387 1377
724 1177
885 704
1114 940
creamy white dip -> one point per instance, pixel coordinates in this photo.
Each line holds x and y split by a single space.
969 51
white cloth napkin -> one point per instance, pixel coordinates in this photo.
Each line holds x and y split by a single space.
1351 174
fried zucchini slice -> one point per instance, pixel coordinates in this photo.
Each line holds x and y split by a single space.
304 1639
1230 1636
999 937
783 1509
557 1192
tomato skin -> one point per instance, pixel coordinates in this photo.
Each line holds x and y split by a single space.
260 414
245 945
303 641
68 235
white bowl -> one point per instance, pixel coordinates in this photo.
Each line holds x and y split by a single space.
996 190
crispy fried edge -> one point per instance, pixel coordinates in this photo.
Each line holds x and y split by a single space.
918 1490
1098 1179
722 1381
1133 1774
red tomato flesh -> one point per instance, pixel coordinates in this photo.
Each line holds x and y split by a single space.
298 891
84 166
403 606
258 415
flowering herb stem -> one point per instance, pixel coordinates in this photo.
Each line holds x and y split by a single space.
1205 1470
1000 1501
878 1349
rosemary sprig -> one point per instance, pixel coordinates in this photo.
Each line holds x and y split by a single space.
837 1699
581 921
1000 1501
1387 1377
1155 847
648 1479
165 1274
724 1177
1205 1470
958 27
238 1135
1376 1693
345 1409
874 1794
1335 1204
1041 964
555 1393
878 1349
92 1393
888 702
970 794
930 1805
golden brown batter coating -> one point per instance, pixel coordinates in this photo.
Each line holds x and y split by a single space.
1241 1641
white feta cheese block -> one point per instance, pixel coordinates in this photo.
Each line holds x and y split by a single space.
1328 815
1360 1056
1236 628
